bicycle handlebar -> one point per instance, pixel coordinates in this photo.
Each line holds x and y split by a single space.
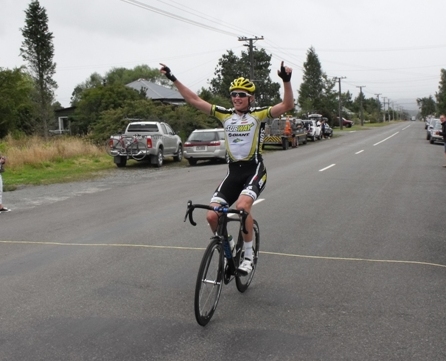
221 209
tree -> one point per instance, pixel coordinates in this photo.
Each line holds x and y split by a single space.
93 81
125 76
119 76
311 89
427 106
16 89
231 67
316 92
38 50
96 100
441 94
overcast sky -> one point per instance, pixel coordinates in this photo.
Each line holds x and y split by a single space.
393 48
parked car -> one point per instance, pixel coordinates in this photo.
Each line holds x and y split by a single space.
430 126
313 130
205 144
435 129
345 122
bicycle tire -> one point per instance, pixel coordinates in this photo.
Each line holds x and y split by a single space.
137 150
209 282
243 282
113 147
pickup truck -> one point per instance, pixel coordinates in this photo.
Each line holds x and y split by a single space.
279 132
153 140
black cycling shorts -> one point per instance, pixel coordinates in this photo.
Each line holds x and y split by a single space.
246 178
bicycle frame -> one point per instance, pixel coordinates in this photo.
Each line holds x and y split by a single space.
221 232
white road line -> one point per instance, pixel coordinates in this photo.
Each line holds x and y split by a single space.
331 165
406 127
359 151
232 215
386 139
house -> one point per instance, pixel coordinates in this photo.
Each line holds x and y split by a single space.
157 92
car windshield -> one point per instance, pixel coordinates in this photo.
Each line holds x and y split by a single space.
203 137
437 125
145 128
432 121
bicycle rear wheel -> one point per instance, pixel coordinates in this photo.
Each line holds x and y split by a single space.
243 282
113 147
137 150
209 282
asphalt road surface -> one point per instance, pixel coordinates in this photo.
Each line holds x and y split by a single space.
352 263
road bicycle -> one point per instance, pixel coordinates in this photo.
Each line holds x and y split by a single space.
130 146
219 264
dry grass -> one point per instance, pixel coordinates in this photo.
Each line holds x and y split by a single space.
35 150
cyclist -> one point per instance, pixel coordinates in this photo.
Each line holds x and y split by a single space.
244 132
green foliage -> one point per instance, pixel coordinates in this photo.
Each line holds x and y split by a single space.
316 92
16 108
96 100
312 86
93 81
38 50
231 67
441 94
126 76
427 106
117 76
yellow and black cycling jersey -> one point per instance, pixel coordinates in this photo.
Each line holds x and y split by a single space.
244 133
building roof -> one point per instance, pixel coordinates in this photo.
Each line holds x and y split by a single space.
157 92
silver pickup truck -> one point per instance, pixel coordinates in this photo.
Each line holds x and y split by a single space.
144 140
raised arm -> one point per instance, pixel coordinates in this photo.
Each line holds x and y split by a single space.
189 96
288 100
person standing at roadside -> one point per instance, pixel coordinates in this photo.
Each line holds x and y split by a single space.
244 131
2 169
443 133
295 142
323 129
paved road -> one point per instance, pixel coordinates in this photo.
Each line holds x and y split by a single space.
353 261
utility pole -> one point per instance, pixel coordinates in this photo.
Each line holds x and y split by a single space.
251 53
338 79
379 106
384 109
362 109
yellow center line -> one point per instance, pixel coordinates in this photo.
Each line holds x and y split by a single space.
202 249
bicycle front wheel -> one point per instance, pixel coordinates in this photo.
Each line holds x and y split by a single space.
209 282
243 282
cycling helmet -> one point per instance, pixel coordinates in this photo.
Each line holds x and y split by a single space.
244 84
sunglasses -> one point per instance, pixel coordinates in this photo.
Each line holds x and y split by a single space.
240 94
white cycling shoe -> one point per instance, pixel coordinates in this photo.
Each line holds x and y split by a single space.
246 267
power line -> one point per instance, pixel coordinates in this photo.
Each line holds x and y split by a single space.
177 17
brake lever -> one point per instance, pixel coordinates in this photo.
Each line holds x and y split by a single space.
190 209
244 215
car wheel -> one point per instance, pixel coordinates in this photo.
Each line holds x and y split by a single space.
431 141
179 155
158 159
192 161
